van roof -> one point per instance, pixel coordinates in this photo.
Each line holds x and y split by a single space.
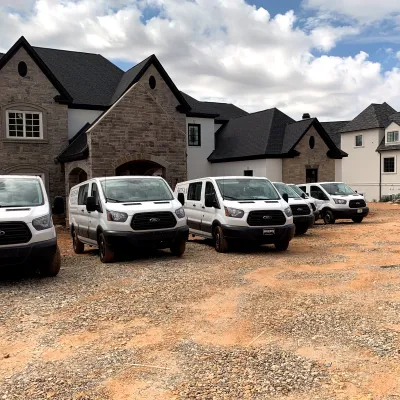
317 183
127 177
20 177
224 177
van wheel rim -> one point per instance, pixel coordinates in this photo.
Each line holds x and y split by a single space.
217 239
101 248
74 240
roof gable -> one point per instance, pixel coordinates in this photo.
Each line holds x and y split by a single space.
374 116
64 96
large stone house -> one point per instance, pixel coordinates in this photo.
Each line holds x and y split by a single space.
68 116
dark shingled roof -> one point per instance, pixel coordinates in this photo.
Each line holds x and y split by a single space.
221 111
77 148
1 55
333 130
394 118
374 116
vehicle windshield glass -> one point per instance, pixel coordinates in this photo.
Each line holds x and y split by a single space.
298 191
247 189
340 189
138 189
283 188
20 192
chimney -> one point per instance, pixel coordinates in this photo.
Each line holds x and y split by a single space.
306 116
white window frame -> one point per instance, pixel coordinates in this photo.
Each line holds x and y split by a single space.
394 141
24 125
395 165
355 141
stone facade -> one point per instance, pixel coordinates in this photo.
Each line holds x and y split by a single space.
143 126
294 169
32 92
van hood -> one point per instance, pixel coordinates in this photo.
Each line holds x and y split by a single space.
297 202
355 196
132 208
252 205
22 214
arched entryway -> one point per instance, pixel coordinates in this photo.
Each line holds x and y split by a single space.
140 167
76 176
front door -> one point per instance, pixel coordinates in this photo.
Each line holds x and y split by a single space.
311 175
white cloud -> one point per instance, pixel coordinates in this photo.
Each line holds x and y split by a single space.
222 50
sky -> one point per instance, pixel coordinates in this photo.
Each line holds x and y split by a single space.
327 58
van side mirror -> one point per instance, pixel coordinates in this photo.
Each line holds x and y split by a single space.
356 191
59 206
303 196
181 198
91 204
211 200
285 197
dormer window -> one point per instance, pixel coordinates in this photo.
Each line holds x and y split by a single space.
392 137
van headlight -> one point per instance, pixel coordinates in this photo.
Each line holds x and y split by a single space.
42 223
340 201
288 212
116 216
180 213
233 212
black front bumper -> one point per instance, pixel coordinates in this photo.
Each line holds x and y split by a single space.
349 213
155 239
28 255
244 233
304 220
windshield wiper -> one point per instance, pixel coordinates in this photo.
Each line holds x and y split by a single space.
114 200
228 197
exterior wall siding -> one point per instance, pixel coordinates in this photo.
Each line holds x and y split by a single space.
35 90
77 119
294 169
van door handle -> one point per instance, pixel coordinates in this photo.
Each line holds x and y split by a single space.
194 205
83 210
203 207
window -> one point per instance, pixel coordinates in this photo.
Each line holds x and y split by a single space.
194 192
392 137
248 172
389 165
311 175
247 189
22 69
152 82
83 194
359 141
210 190
318 193
194 135
24 125
311 142
303 188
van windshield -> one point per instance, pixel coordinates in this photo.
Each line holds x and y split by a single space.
283 188
298 191
340 189
247 189
127 190
20 192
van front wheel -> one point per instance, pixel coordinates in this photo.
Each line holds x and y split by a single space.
221 244
357 220
328 217
52 268
106 253
178 248
78 246
282 245
301 229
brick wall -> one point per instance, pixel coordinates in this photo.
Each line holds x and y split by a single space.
33 91
294 169
144 125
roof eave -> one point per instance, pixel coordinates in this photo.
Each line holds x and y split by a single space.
253 157
201 115
82 155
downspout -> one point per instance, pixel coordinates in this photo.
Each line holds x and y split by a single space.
380 176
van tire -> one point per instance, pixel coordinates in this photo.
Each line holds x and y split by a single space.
106 253
357 220
301 229
78 246
52 268
282 245
178 248
221 244
328 217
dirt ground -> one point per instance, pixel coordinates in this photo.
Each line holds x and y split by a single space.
320 321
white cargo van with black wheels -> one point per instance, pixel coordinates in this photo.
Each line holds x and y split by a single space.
237 209
120 213
336 200
309 200
303 217
28 240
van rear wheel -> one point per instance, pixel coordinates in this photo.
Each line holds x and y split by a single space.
221 244
178 248
78 246
52 268
106 253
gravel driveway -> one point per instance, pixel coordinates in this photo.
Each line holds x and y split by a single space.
320 321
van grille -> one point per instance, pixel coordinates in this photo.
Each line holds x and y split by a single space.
14 233
300 209
266 218
153 220
357 203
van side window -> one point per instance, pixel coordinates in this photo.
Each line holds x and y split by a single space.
194 192
83 194
318 193
210 190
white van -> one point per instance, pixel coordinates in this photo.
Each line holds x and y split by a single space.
336 200
308 199
28 238
303 216
232 208
121 212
